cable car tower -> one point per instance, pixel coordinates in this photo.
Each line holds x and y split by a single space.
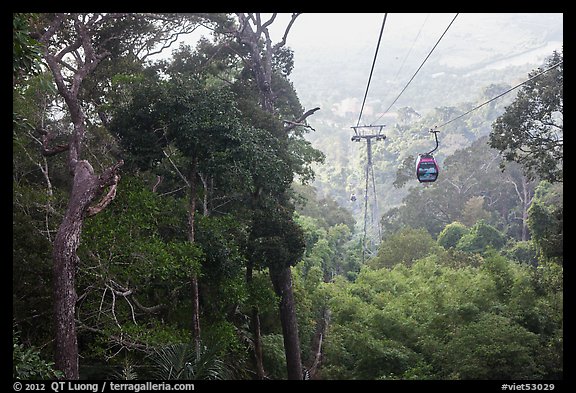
369 133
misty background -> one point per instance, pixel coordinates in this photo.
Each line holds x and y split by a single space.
479 55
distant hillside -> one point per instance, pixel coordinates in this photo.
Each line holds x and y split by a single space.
476 52
481 48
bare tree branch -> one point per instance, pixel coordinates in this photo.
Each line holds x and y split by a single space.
46 139
176 168
105 201
299 121
283 41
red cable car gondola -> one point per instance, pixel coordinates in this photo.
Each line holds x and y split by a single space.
426 166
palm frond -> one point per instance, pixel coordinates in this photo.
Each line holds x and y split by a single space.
182 361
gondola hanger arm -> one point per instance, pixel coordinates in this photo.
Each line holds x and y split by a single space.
436 137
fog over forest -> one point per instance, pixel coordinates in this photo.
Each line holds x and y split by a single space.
333 54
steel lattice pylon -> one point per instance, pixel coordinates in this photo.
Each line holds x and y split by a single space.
359 134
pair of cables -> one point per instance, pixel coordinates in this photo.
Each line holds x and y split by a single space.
411 79
369 164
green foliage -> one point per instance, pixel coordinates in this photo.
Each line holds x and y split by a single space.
523 252
500 271
129 231
403 247
261 294
134 282
274 357
182 361
530 131
493 347
432 321
276 240
451 234
480 238
140 130
34 213
326 211
27 363
329 250
546 220
26 51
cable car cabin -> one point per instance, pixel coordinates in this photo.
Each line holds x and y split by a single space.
426 168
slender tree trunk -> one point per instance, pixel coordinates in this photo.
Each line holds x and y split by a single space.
255 327
251 30
282 282
525 192
526 201
316 353
257 343
195 313
194 279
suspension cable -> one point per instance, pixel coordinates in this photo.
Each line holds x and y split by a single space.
413 76
411 47
372 69
501 94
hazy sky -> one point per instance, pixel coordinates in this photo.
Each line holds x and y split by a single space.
356 34
408 37
349 40
353 32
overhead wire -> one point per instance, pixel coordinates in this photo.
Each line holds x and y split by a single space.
499 95
411 47
372 69
418 70
369 166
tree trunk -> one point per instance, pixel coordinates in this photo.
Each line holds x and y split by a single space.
525 193
255 321
526 201
316 354
255 327
251 30
194 279
195 313
64 290
85 188
282 281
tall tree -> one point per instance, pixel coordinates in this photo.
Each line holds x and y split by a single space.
74 45
546 220
524 190
193 126
252 31
73 53
531 130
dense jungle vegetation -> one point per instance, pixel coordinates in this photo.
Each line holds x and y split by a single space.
166 223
